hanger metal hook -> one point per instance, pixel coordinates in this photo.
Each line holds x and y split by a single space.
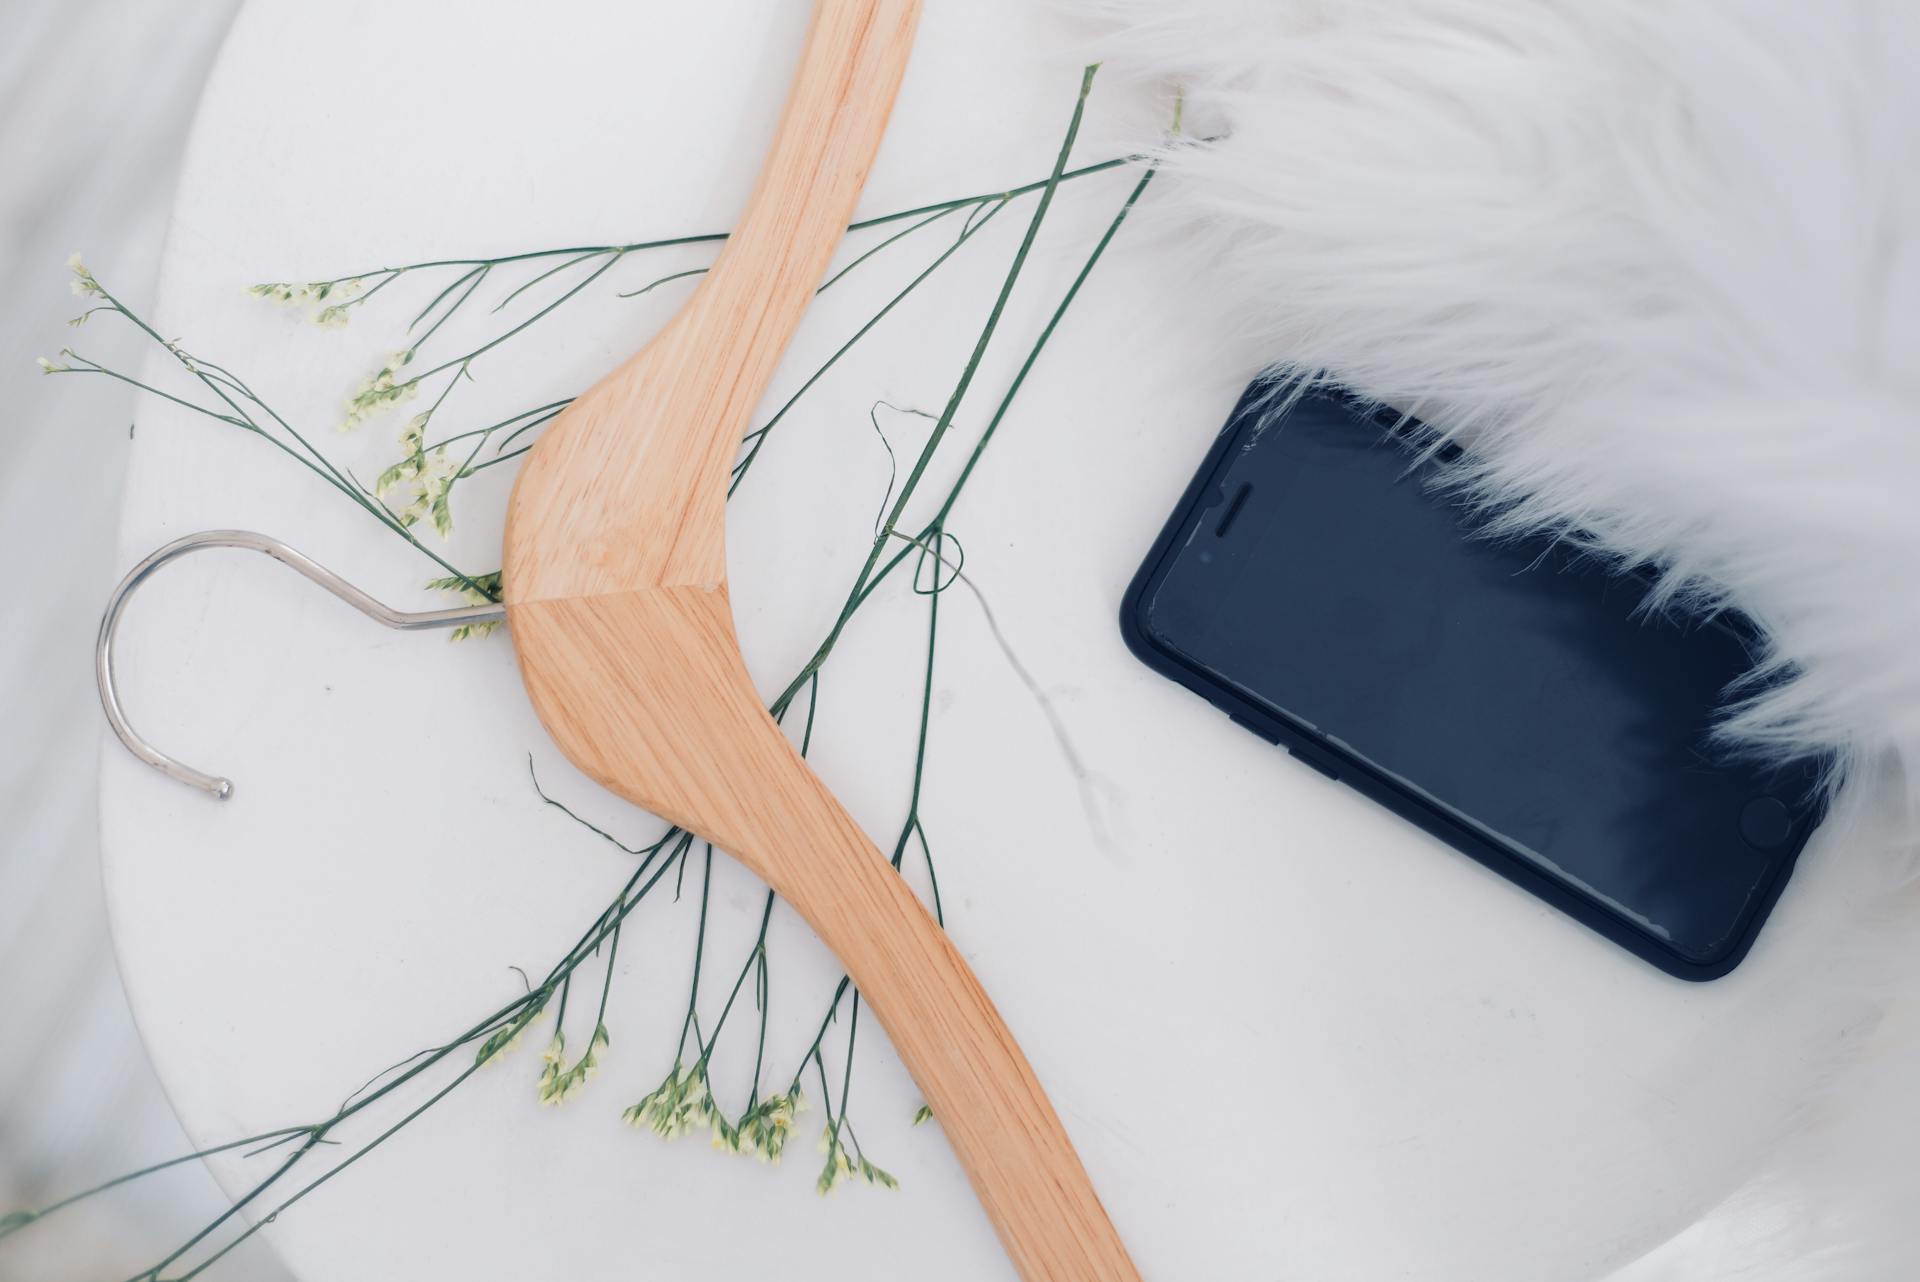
110 623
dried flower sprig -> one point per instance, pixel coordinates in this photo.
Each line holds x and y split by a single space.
680 1105
508 1036
478 590
364 285
979 210
236 405
685 1096
561 1081
382 388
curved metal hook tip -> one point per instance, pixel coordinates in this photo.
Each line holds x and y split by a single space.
218 786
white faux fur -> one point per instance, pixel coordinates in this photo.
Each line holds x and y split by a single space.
1657 266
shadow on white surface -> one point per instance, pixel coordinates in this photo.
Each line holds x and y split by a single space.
97 99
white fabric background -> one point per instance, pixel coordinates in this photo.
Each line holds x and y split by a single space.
96 96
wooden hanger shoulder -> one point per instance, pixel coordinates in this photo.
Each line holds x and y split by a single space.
615 584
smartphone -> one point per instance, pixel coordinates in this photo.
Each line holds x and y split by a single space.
1516 698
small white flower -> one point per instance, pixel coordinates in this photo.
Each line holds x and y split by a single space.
550 1074
507 1038
560 1082
764 1128
441 494
726 1135
384 388
679 1106
83 283
839 1166
280 291
468 631
481 589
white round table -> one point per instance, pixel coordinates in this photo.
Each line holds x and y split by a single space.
1292 1037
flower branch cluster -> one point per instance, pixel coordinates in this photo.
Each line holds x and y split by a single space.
422 480
330 299
383 388
560 1081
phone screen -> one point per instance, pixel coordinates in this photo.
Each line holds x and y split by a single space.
1516 689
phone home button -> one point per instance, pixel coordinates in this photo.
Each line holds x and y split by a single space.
1766 823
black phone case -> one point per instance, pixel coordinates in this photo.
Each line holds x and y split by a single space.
1337 764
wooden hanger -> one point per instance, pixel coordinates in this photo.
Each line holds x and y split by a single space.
616 593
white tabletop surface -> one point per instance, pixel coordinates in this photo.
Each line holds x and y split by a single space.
1291 1036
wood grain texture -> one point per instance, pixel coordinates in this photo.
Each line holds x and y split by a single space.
615 582
628 487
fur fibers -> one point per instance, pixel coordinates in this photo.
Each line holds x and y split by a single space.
1657 267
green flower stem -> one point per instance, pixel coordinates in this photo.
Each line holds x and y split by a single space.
153 1275
820 1034
707 238
292 1159
1013 389
846 1069
869 253
475 279
540 413
313 460
1033 355
671 848
912 822
632 894
478 269
668 279
758 438
938 524
14 1223
699 951
490 344
364 295
756 953
762 1001
860 586
933 876
529 284
88 367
